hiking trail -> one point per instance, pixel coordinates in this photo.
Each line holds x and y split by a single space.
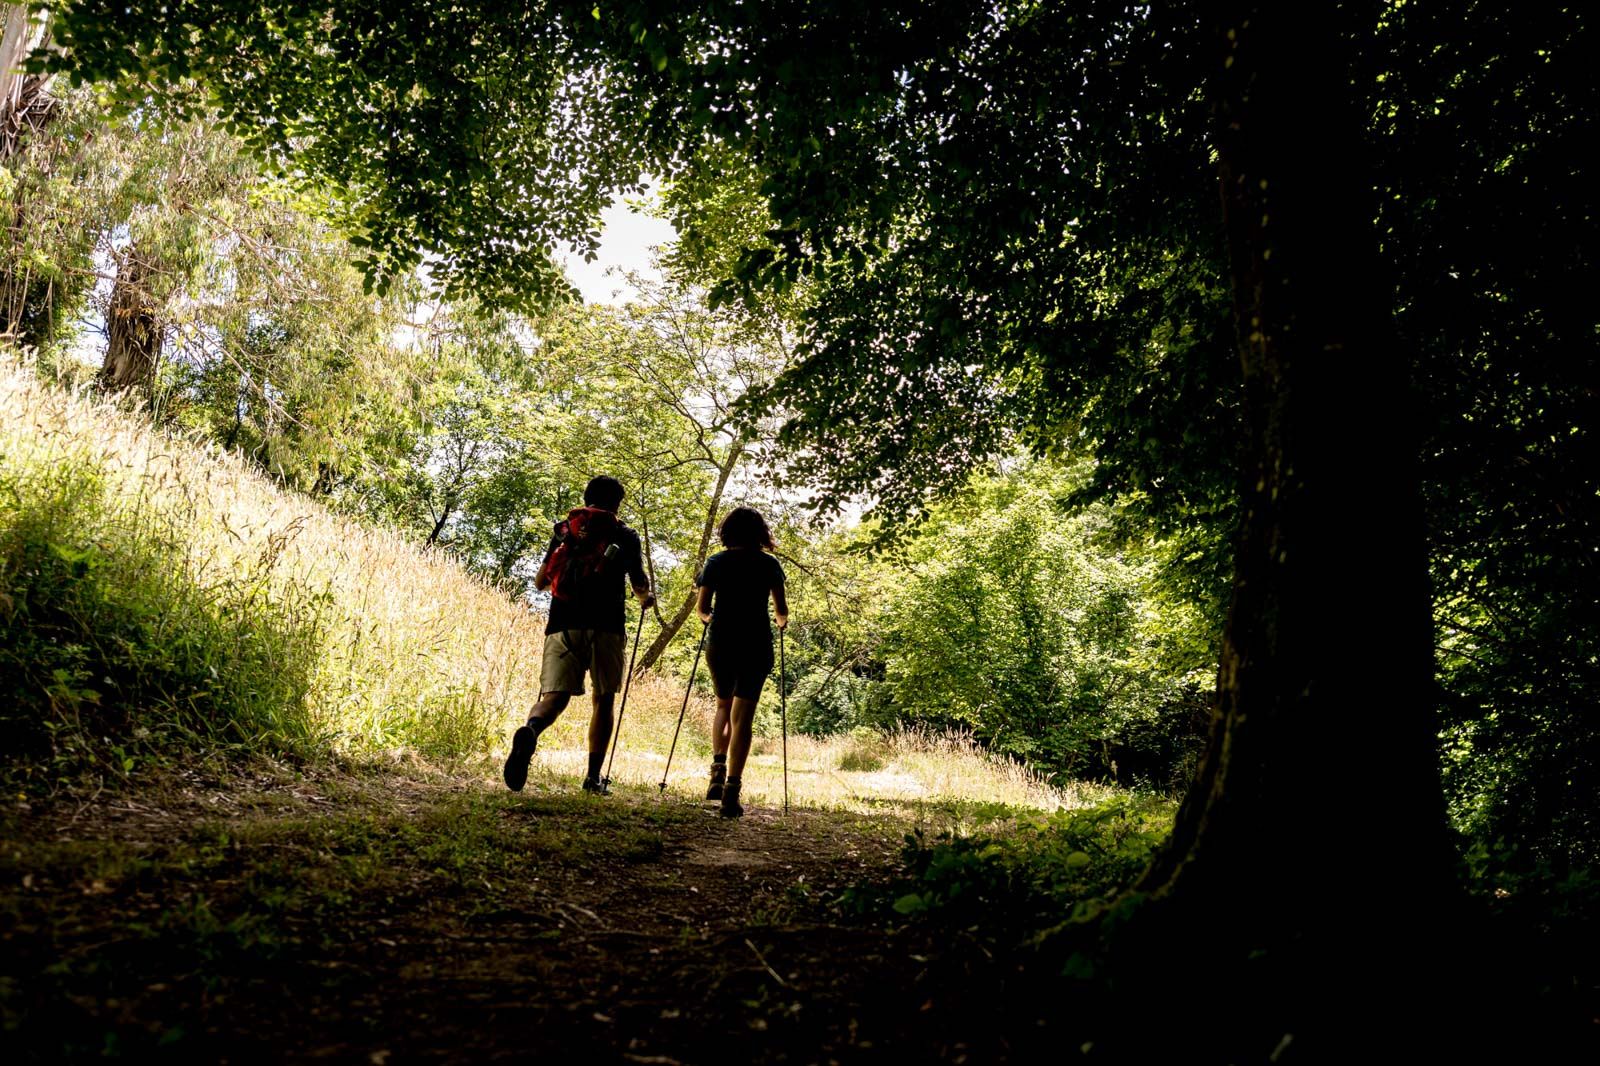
367 916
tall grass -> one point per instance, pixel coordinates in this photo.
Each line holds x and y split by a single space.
153 585
156 593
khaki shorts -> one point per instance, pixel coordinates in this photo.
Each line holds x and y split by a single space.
570 654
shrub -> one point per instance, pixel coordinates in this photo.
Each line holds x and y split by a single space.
114 637
1011 888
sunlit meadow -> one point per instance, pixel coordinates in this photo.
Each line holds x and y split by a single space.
327 635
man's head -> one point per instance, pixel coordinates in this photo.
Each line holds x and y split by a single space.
603 492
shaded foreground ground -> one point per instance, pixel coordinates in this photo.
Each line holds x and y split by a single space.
401 917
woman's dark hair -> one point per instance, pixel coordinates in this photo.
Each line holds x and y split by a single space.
745 528
604 492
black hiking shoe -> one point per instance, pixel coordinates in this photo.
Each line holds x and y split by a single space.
523 743
719 772
731 807
594 785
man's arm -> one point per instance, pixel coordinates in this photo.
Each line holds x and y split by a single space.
639 579
541 580
704 604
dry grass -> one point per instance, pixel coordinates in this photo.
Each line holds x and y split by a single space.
413 654
411 650
913 773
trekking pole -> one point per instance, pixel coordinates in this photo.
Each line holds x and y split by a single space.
627 683
783 713
682 710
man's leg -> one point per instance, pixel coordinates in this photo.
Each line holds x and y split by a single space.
547 710
560 675
606 668
601 723
526 739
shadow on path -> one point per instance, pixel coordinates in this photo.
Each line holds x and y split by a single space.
378 918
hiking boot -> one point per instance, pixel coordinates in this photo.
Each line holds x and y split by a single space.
523 743
731 808
719 772
592 784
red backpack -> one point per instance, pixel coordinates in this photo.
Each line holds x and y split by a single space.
583 543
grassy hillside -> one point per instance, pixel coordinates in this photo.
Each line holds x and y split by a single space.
158 596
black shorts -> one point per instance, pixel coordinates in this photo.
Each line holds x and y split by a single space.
739 668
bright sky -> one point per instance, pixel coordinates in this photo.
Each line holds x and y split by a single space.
626 238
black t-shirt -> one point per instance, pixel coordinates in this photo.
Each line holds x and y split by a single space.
598 601
739 580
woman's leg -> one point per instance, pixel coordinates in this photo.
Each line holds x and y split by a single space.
719 726
719 749
741 723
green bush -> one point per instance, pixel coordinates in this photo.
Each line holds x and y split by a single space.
111 643
1012 888
1024 621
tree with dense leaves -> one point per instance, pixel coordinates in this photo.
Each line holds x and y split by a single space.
1491 216
1086 670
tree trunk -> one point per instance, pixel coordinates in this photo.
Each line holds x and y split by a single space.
444 516
27 312
1316 823
24 104
670 629
133 327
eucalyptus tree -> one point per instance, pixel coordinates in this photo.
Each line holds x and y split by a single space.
474 433
56 190
26 104
276 351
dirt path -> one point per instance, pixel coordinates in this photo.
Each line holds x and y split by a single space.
394 918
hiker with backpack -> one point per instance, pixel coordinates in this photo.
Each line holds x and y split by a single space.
734 586
591 560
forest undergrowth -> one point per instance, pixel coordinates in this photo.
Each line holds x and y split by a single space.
255 749
267 910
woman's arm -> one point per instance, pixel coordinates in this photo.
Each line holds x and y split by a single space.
780 606
705 605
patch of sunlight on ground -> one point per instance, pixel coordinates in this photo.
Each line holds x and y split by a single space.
910 773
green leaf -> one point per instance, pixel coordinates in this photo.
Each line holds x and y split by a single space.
68 554
911 903
1079 967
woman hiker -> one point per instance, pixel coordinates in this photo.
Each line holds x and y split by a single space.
734 586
